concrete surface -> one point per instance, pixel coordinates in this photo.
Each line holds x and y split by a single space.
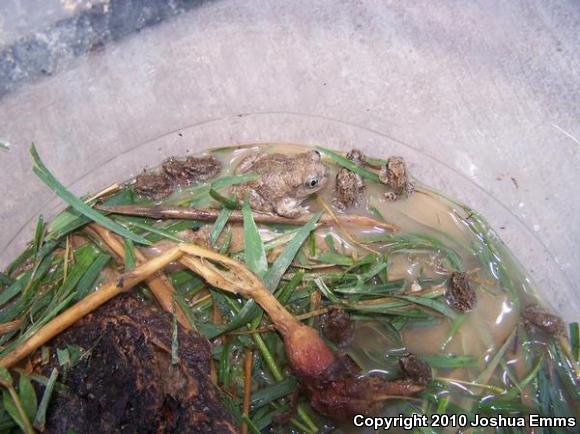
490 89
67 29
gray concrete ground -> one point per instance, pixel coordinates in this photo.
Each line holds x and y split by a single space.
490 89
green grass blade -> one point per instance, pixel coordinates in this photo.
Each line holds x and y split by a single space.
6 379
566 372
254 253
329 240
243 317
225 201
326 291
186 310
271 280
38 235
44 174
435 305
455 326
20 259
373 271
151 229
92 273
27 282
66 222
268 357
499 405
345 162
484 375
85 256
219 224
252 427
225 247
40 419
130 256
11 402
27 396
229 180
14 289
274 274
527 379
274 392
450 361
575 341
5 280
330 257
224 365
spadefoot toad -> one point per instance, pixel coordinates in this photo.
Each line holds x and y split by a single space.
285 181
459 294
537 316
350 186
192 170
396 176
415 369
337 327
153 185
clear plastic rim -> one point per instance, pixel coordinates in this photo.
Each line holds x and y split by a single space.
308 129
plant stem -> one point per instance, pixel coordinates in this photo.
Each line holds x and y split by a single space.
158 283
27 427
111 289
278 376
268 358
302 317
211 214
247 388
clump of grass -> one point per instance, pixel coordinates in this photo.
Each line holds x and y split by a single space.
54 276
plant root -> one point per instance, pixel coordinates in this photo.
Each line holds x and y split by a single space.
333 384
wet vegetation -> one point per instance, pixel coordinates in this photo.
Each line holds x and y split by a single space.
417 295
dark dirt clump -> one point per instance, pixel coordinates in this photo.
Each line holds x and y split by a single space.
127 382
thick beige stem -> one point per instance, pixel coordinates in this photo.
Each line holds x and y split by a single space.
284 322
239 280
88 304
231 276
158 283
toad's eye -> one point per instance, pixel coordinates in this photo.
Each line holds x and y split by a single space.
312 182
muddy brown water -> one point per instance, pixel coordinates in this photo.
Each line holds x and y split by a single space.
426 212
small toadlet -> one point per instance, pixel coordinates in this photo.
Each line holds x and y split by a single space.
415 369
350 186
337 327
153 185
396 176
192 170
285 181
459 294
538 317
